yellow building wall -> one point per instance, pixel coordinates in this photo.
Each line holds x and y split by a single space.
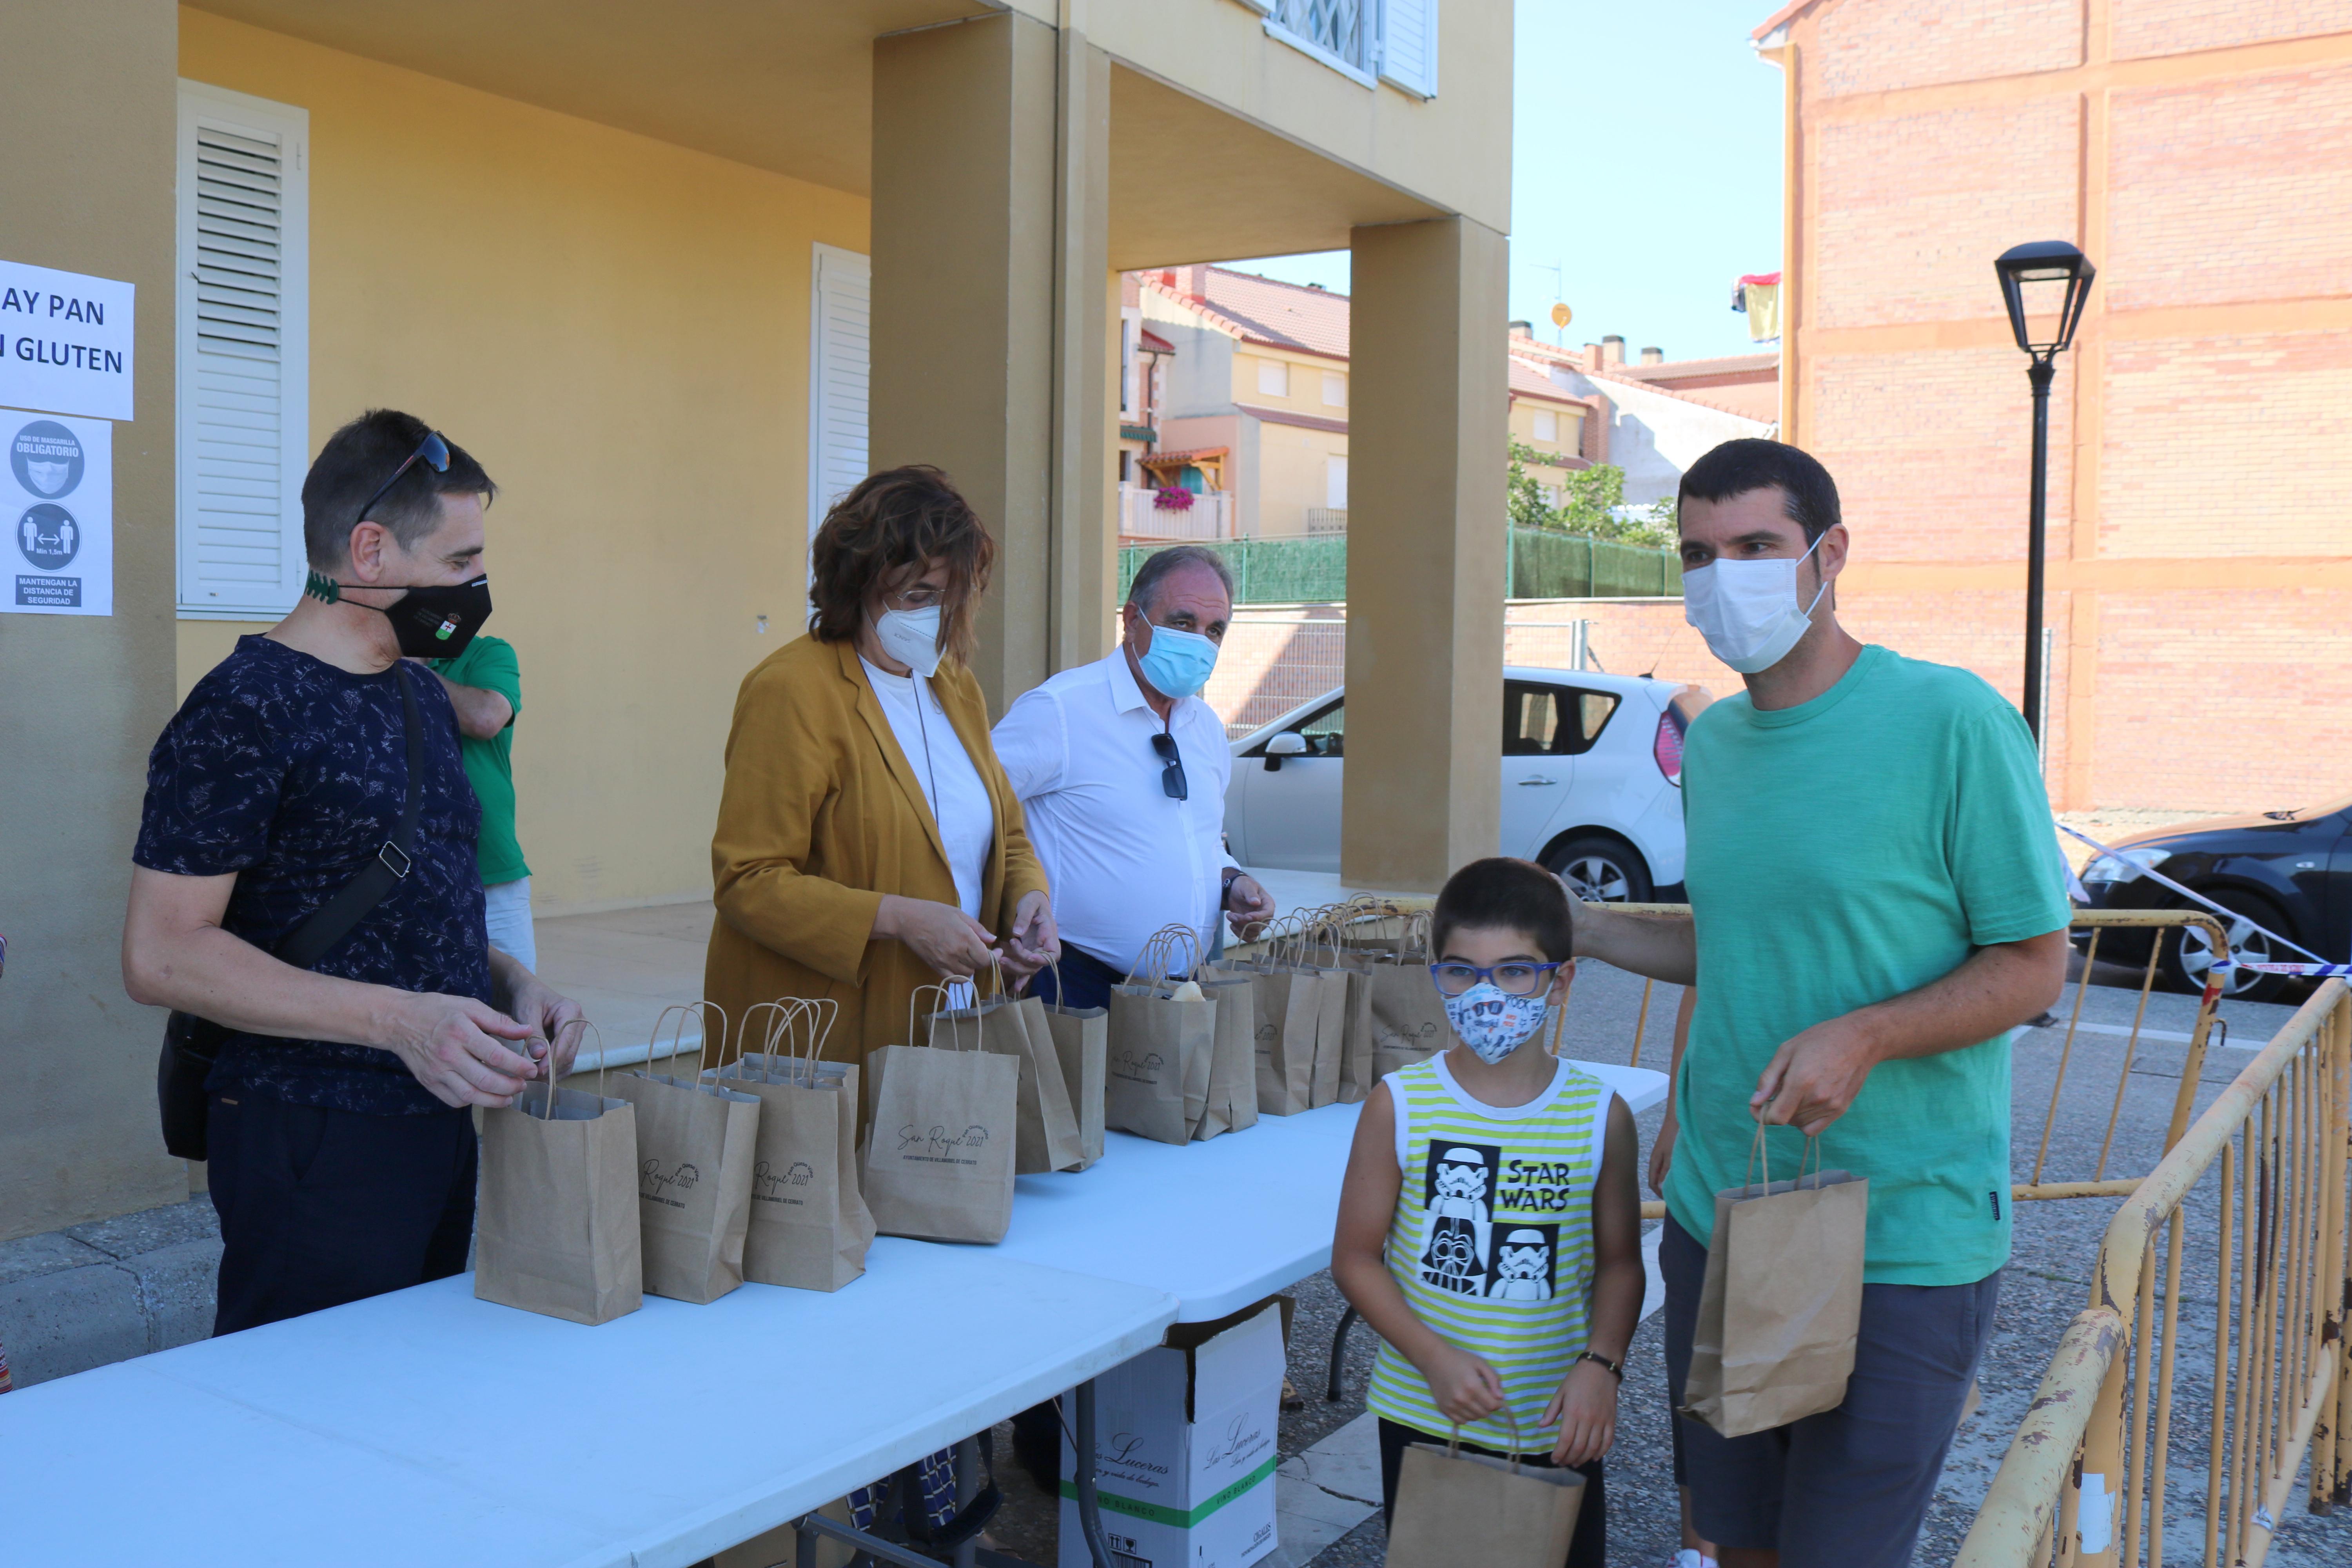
618 328
1290 475
1570 436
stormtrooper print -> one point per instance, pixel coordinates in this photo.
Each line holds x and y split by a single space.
1458 1214
1521 1268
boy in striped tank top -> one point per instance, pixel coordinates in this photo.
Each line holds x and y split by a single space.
1489 1226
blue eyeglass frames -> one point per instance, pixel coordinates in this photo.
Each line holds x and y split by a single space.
1513 979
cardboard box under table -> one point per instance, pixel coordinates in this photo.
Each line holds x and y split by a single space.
1185 1448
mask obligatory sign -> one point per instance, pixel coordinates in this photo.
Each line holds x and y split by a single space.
56 494
65 342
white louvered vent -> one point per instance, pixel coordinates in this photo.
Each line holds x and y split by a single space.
244 352
839 338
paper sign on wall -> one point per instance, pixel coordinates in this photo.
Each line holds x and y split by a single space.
57 493
65 342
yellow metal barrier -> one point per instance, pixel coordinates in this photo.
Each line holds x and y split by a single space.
2085 1480
2096 923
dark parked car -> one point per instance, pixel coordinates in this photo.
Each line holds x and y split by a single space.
2288 871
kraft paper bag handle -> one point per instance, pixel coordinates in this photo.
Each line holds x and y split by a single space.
1813 1150
743 1036
701 1011
790 1010
592 1029
955 1040
1454 1439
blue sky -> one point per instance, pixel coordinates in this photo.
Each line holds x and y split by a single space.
1645 163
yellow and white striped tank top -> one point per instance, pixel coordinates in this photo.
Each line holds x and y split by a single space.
1492 1241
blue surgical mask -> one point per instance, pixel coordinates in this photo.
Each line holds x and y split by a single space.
1493 1023
1177 663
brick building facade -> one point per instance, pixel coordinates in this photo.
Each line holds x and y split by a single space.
2201 561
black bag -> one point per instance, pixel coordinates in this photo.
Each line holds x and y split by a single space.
192 1044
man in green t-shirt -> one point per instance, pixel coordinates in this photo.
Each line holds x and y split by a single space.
485 685
1875 902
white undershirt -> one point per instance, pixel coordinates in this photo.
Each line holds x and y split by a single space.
943 770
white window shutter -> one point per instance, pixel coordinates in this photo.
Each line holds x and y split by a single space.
1335 483
839 336
244 359
1409 44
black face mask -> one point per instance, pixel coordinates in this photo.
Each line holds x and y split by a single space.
435 621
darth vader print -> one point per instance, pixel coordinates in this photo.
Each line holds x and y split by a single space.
1458 1215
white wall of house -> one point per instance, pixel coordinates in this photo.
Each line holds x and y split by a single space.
1654 436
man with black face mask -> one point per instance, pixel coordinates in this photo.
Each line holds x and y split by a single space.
340 1127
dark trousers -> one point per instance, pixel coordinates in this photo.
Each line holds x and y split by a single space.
318 1208
1848 1487
1588 1548
1085 981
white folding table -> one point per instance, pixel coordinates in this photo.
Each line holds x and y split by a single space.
426 1427
1216 1225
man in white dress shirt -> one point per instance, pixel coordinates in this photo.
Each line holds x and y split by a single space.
1121 772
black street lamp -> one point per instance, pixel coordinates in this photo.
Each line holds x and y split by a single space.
2044 261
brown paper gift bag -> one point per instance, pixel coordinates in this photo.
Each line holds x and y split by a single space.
695 1152
1782 1300
809 1226
556 1228
1081 1039
1231 1102
1454 1508
1162 1042
937 1162
1408 1016
1331 1019
1045 1137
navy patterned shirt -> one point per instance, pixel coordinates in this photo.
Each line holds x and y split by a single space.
292 773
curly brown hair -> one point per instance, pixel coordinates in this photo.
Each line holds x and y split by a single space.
894 521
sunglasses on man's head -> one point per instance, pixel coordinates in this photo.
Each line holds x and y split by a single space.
432 452
1171 777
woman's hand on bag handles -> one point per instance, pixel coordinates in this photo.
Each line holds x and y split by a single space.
455 1047
1034 942
1585 1410
941 935
1463 1385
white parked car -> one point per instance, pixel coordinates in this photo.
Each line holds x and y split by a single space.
1591 781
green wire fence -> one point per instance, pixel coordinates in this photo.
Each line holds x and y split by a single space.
1539 564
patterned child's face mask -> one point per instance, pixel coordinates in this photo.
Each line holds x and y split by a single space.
1492 1021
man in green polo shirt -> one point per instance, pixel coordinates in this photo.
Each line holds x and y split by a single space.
1876 902
485 685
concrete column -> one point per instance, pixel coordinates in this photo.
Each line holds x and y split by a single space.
990 240
1425 520
88 188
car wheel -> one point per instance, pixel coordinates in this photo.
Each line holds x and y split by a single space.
1600 870
2189 956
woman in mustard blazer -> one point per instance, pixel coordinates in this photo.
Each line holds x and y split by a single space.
868 841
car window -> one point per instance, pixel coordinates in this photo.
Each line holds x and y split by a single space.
1541 720
1326 733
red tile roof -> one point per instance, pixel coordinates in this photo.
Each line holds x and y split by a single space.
1153 342
1265 311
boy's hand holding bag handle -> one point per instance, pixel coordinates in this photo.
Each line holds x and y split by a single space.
1454 1508
1081 1040
938 1158
1781 1300
809 1226
1408 1016
696 1146
1162 1039
556 1231
1046 1135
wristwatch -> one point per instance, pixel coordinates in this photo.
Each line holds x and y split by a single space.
1616 1368
1225 892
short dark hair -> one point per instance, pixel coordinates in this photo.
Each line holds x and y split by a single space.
1809 496
1160 563
358 458
893 519
1503 893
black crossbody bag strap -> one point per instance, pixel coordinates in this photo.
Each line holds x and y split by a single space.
191 1043
333 921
